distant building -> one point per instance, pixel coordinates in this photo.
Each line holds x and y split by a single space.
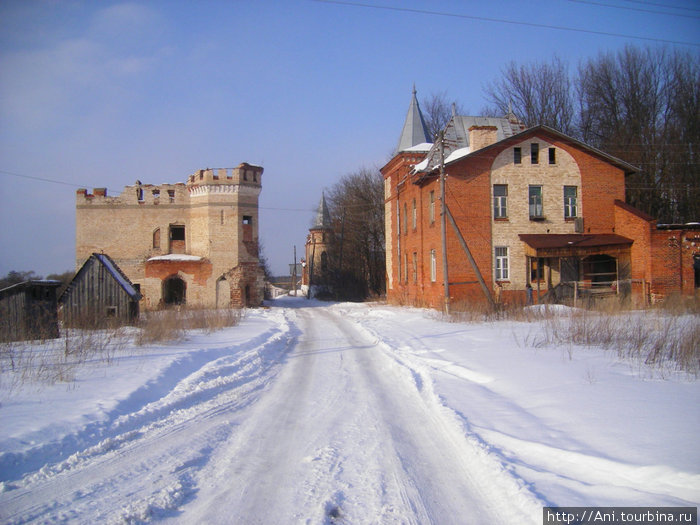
319 248
534 208
28 310
100 294
193 243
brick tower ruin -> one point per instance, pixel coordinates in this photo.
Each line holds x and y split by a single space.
193 243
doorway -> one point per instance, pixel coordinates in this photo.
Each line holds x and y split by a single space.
174 291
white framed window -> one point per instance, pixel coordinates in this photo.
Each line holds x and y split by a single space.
570 194
398 221
500 201
405 218
431 210
414 215
415 267
433 266
501 259
535 199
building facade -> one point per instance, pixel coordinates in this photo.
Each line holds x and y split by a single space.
318 248
29 310
528 212
193 243
100 294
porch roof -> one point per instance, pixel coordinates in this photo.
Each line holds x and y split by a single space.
575 244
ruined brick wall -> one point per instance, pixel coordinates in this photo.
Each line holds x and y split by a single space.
212 220
673 254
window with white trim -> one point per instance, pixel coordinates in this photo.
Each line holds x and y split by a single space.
432 207
501 259
535 200
433 266
500 201
570 198
415 267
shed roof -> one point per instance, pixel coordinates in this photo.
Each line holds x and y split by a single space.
117 273
34 283
114 270
573 240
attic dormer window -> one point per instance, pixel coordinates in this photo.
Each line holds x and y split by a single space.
517 155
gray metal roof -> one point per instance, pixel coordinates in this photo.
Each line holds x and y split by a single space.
457 134
414 130
459 131
323 217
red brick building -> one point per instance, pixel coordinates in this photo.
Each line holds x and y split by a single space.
529 208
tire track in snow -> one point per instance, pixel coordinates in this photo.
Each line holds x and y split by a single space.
145 466
345 435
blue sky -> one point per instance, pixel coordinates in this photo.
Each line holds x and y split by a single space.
96 94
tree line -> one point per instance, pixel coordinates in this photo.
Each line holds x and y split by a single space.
641 105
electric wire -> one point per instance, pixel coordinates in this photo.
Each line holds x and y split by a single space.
600 4
501 21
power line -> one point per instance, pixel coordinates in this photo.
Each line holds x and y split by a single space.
501 21
54 181
42 179
662 5
633 9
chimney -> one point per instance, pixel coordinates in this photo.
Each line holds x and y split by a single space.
482 136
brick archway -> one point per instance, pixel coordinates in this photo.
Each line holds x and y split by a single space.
174 291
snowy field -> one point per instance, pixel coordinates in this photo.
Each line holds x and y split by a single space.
311 412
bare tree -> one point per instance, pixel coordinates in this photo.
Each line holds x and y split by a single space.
538 93
356 205
642 105
639 104
437 111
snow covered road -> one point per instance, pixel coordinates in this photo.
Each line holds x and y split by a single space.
319 413
345 434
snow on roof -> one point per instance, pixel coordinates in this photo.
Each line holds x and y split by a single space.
458 154
113 269
176 257
421 165
422 147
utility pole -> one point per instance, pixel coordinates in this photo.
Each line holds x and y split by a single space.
443 222
294 271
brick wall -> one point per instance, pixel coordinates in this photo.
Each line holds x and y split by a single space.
134 227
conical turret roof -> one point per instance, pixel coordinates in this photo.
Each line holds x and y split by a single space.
414 129
323 216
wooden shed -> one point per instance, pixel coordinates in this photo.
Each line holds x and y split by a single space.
28 310
100 294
